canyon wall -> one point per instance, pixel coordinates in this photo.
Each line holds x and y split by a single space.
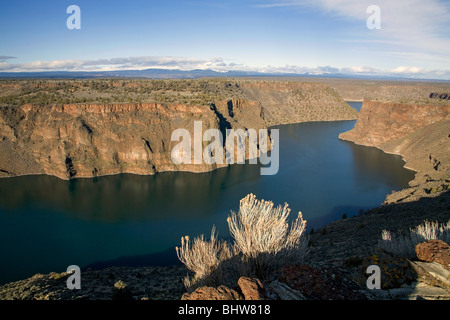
419 133
71 141
293 102
88 140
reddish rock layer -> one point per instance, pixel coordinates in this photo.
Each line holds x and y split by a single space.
380 122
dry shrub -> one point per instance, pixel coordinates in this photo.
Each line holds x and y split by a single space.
404 245
262 234
203 258
263 241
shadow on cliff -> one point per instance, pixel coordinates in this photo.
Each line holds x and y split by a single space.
224 124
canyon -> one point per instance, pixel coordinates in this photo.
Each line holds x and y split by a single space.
94 139
77 128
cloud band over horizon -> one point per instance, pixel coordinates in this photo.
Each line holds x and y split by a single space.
217 64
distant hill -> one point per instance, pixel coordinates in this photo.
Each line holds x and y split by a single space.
175 74
147 73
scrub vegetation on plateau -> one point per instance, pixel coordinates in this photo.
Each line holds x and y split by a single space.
105 91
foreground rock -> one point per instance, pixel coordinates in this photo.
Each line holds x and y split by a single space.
400 279
281 291
295 282
316 283
395 271
121 283
430 282
249 289
252 288
434 267
434 251
432 274
209 293
411 280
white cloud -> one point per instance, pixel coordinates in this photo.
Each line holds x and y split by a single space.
414 26
403 69
216 64
129 63
359 69
400 71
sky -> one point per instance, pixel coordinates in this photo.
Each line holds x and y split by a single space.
294 36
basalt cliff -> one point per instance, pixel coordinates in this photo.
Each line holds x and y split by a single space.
94 139
71 141
420 133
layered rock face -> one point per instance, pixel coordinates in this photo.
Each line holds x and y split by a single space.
71 141
88 140
381 122
293 102
419 133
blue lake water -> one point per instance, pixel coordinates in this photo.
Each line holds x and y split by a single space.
355 104
47 224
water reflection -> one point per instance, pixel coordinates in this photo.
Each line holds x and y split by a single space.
372 165
127 196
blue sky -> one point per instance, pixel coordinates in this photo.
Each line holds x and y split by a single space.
313 36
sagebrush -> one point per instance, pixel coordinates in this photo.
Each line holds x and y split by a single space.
264 240
404 245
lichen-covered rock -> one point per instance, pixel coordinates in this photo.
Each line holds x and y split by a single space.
395 271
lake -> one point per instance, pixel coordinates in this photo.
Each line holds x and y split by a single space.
47 224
